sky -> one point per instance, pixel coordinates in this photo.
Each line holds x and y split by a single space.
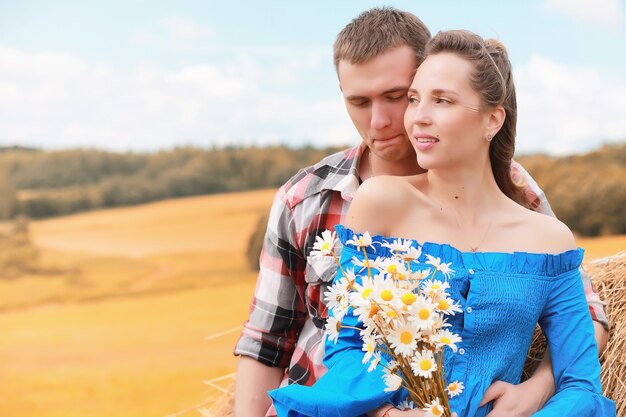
138 75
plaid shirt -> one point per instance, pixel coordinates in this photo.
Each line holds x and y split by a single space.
287 315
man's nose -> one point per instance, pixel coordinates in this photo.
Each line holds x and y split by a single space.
381 116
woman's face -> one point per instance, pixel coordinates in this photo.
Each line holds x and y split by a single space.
444 119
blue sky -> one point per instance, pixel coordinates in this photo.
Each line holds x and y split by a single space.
148 75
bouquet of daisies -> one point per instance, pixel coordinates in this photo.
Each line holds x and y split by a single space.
402 306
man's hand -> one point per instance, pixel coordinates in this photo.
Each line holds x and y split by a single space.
511 400
253 381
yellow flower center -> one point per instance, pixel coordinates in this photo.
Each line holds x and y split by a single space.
424 314
325 247
409 298
392 269
392 314
401 276
406 337
437 410
367 292
386 295
436 286
425 364
445 340
453 386
443 304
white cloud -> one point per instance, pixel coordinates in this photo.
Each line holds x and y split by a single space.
595 12
56 100
176 31
564 109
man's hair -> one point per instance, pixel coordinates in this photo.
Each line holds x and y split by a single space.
377 31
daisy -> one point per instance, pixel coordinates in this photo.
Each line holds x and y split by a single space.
332 328
398 245
324 245
424 364
434 409
447 306
337 294
363 292
392 380
439 266
454 388
420 275
403 339
434 287
375 361
406 405
366 263
369 347
446 338
392 268
360 241
412 254
423 313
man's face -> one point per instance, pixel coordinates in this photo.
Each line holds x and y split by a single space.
375 94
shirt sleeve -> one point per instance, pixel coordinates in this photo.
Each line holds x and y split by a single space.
569 330
539 202
344 359
278 309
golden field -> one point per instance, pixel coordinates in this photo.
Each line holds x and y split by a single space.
118 325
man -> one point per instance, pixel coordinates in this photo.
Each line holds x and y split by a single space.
375 56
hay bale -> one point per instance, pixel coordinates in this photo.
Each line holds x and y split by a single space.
609 279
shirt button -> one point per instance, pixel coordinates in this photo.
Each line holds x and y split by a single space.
462 351
469 310
471 271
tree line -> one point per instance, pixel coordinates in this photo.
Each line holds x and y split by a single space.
587 192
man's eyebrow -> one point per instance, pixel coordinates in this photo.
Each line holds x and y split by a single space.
393 90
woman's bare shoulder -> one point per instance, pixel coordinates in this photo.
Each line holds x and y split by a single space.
549 233
377 202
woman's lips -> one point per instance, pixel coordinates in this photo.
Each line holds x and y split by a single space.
425 142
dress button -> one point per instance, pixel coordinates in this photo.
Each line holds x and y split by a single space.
471 271
469 310
462 351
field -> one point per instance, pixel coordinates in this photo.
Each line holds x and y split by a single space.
118 327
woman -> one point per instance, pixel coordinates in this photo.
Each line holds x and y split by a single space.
514 267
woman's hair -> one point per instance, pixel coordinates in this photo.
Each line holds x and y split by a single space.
379 30
492 78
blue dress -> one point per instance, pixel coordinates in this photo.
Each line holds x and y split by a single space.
503 297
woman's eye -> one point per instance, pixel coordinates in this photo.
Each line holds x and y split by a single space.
413 100
442 100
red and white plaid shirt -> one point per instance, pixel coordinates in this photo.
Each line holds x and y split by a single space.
287 315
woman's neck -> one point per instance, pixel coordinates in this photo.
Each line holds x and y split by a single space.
472 194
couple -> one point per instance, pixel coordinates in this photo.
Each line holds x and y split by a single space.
515 267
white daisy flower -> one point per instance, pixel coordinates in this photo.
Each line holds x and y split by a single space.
363 292
361 241
406 405
445 338
366 263
454 388
412 254
434 287
439 266
403 339
324 245
423 313
384 290
447 306
420 275
392 268
434 409
424 363
337 294
369 347
374 362
398 245
392 380
332 328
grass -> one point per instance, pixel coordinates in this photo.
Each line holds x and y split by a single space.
120 328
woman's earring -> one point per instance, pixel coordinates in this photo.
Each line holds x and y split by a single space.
488 138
